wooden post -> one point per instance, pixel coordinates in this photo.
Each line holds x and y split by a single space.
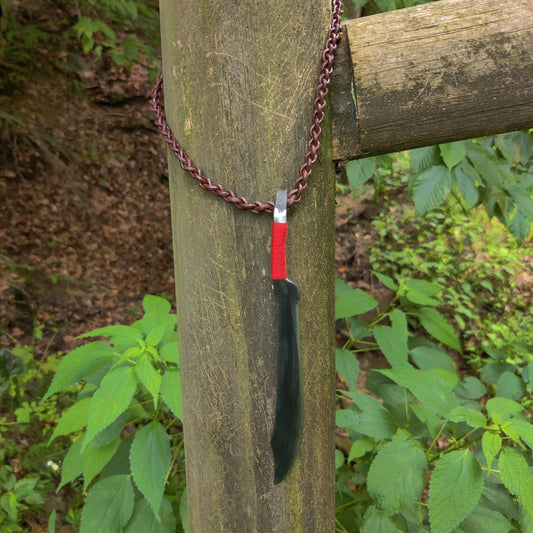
439 72
239 87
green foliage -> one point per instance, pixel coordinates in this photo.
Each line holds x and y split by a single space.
494 171
472 263
20 43
97 31
456 484
429 450
127 437
27 471
127 30
109 505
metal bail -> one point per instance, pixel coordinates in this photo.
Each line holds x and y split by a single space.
280 208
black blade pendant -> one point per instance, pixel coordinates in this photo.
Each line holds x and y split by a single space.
288 425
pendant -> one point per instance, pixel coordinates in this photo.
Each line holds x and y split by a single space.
288 426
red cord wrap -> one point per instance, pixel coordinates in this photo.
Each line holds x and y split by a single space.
278 265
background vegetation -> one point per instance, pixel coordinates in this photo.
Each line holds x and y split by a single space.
434 356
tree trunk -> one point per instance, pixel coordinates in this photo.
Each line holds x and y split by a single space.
239 87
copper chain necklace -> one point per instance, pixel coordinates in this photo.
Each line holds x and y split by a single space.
295 195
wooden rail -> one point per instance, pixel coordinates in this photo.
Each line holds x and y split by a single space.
454 69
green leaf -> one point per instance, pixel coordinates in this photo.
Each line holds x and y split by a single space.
471 389
109 505
394 397
486 166
399 321
341 287
339 459
120 462
372 419
94 459
118 334
80 363
520 429
473 418
171 391
143 519
431 187
519 226
526 521
392 341
359 171
507 147
111 432
184 511
498 355
437 326
453 153
509 385
148 376
500 409
354 303
361 447
72 463
498 498
454 490
52 522
347 367
388 282
433 391
468 181
491 444
523 201
427 358
422 158
516 477
525 141
156 335
110 400
150 460
11 366
356 327
396 476
420 292
485 520
376 521
491 372
157 311
427 417
73 419
170 352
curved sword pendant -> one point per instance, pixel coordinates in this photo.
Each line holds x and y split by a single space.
288 424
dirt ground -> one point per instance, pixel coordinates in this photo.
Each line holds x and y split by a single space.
84 210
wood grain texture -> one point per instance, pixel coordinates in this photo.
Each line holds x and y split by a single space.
438 72
239 87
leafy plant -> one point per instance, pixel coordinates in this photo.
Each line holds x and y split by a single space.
99 33
430 450
19 41
474 263
125 423
27 468
495 171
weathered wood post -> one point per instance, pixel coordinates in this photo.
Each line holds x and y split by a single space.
434 73
239 88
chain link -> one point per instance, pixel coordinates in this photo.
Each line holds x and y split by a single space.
328 56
